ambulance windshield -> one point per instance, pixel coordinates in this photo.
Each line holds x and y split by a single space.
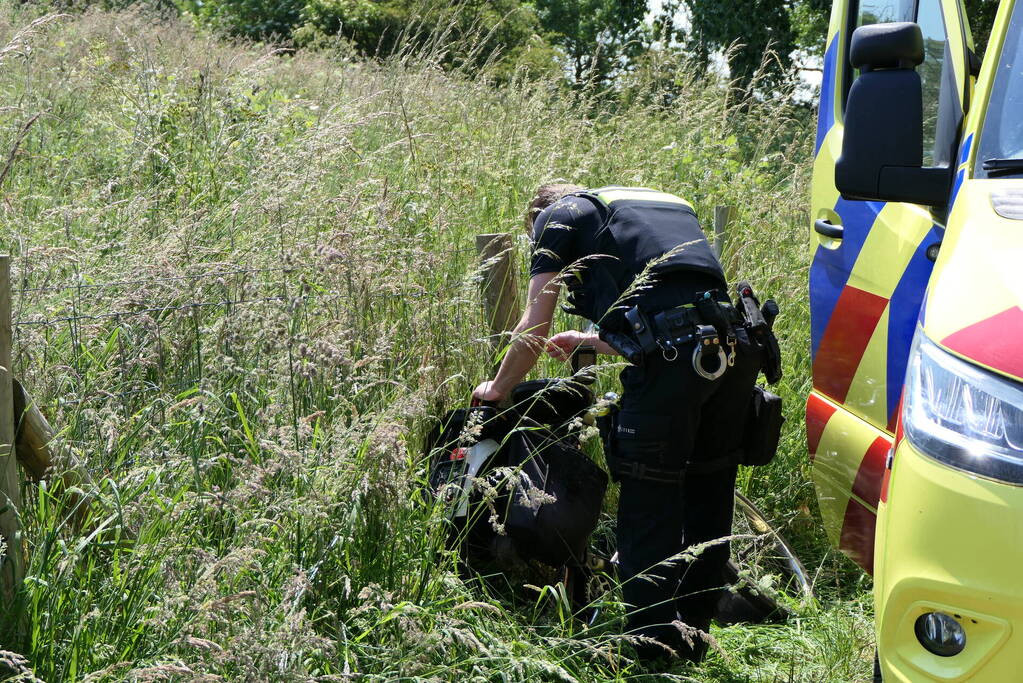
1000 154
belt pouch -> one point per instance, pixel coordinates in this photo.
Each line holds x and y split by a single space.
639 328
674 325
762 429
710 310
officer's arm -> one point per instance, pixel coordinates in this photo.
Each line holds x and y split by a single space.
528 340
562 345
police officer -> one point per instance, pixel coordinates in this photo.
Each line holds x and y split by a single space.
637 264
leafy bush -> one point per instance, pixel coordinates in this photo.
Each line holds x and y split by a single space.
255 19
471 34
372 26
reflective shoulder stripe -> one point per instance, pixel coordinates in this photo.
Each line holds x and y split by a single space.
608 196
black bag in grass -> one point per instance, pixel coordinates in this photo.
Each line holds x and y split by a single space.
531 494
551 402
459 429
556 496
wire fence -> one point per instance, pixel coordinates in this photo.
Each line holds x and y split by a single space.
83 290
169 308
227 271
116 344
150 281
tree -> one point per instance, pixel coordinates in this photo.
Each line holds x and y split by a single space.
746 30
504 34
981 15
809 19
810 22
599 37
467 34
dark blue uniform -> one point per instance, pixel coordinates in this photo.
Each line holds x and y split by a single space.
671 421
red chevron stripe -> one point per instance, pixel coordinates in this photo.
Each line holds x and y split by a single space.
868 478
818 412
841 350
857 539
895 446
884 485
993 342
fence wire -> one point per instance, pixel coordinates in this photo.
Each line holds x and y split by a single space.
152 281
116 315
167 348
229 271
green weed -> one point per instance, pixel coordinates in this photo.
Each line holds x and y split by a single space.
246 285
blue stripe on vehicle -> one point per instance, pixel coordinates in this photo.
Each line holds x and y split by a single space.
955 187
964 150
830 269
826 108
904 310
964 154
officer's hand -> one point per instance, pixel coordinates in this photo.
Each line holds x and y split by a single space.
486 391
563 344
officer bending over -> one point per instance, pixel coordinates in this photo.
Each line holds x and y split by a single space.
637 264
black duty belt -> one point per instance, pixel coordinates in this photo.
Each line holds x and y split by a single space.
641 472
709 321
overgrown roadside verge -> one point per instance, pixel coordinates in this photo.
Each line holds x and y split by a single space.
246 282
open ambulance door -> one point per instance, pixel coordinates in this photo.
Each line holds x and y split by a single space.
870 269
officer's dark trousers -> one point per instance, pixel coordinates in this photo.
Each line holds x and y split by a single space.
671 416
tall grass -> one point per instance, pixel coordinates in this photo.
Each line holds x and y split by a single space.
246 285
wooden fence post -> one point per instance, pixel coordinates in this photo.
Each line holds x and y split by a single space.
722 214
34 443
12 561
500 291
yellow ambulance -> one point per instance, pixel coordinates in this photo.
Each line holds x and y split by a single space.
915 419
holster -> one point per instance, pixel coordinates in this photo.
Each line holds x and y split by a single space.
761 429
641 329
624 345
711 312
626 469
621 468
772 356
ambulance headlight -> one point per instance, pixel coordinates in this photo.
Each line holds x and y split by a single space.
962 415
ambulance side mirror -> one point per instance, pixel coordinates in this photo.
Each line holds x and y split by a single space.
882 147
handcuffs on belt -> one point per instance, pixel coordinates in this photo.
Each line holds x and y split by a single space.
706 337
